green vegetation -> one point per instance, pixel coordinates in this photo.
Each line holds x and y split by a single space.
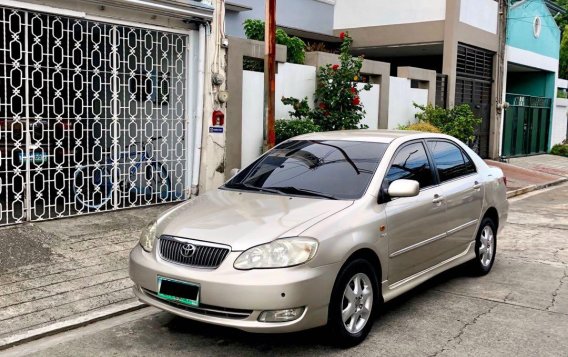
560 149
459 121
288 128
254 30
421 126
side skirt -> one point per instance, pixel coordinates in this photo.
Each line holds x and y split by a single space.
400 287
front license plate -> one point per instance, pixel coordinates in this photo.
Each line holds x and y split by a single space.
178 291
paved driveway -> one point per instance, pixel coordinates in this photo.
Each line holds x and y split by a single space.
520 309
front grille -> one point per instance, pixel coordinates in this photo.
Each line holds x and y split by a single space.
203 309
203 255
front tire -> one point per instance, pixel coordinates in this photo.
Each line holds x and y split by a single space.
485 247
353 304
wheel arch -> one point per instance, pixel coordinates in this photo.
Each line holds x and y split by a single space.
372 257
492 213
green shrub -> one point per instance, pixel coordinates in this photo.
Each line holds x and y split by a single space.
288 128
254 30
421 126
459 121
560 150
561 94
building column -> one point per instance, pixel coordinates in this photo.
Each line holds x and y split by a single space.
451 48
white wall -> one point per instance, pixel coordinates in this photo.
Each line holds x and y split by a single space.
253 113
370 100
559 121
365 13
401 99
293 80
482 14
531 59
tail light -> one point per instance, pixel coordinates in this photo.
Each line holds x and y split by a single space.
504 178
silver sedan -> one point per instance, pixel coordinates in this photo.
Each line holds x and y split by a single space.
322 230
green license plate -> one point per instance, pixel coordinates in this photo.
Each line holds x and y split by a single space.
178 291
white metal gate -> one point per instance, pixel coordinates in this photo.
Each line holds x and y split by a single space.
92 116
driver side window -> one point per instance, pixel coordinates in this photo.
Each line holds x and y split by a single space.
411 163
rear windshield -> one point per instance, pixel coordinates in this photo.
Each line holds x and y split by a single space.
333 168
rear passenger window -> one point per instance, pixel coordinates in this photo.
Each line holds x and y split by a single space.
451 162
411 163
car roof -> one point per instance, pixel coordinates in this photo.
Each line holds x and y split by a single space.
380 136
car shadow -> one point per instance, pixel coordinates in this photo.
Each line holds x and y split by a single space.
305 340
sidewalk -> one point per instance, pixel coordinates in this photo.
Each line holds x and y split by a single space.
525 174
56 274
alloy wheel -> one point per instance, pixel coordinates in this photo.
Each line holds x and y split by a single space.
357 303
487 248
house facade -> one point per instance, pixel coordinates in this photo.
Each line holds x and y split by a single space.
532 55
102 104
459 39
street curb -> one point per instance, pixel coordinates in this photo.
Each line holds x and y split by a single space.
67 325
524 190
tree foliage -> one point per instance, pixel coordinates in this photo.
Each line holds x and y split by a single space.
254 30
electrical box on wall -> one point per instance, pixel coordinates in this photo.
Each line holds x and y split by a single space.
218 118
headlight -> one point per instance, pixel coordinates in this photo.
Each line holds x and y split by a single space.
148 237
280 253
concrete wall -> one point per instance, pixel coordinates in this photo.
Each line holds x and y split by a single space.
292 80
401 99
482 14
367 13
308 15
559 122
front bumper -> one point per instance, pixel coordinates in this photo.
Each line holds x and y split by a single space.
242 294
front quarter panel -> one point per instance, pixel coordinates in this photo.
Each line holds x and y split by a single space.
350 230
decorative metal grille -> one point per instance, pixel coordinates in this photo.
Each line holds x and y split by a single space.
92 116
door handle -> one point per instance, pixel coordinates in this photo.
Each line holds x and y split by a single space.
437 199
477 186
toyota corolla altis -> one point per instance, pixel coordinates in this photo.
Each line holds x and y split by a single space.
321 230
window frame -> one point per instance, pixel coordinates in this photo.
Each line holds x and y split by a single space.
383 191
464 155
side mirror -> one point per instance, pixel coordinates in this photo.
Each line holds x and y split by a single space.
234 172
404 188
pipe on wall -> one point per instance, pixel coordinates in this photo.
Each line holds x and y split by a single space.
197 141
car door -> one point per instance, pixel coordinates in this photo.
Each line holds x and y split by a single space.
462 191
415 225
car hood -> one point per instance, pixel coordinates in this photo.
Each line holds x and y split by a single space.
245 219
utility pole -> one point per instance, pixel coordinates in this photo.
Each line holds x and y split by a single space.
269 74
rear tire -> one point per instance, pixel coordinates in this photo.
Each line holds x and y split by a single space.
354 303
485 248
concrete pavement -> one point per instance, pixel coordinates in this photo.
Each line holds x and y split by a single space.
61 273
520 309
526 174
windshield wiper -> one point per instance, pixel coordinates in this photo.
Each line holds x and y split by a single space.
299 191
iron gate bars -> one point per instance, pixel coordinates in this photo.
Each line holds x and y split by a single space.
92 116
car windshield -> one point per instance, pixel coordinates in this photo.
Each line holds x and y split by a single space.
332 169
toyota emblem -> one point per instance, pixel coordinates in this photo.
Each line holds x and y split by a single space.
187 250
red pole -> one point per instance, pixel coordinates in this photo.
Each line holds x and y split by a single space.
270 74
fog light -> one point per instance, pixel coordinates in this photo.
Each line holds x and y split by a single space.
281 315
